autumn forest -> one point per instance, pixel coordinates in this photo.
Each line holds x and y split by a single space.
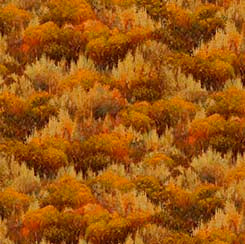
122 121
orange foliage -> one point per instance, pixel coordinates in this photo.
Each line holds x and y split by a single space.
67 192
12 17
65 11
167 113
12 202
229 103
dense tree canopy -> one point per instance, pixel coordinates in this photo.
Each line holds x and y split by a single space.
122 121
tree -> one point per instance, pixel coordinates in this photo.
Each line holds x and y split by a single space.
213 68
222 135
54 226
19 117
228 103
67 192
12 202
168 113
55 42
13 18
65 11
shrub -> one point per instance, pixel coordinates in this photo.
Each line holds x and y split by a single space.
111 181
83 77
46 155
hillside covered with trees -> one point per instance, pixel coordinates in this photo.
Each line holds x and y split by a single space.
122 121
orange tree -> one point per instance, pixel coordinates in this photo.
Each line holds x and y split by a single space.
114 231
184 209
19 117
154 7
223 129
65 11
83 77
53 41
213 68
12 202
184 30
12 17
54 226
222 135
67 192
111 181
228 103
137 116
167 113
106 51
45 155
100 150
105 101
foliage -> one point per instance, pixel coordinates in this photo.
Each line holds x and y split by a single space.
12 17
64 11
212 68
52 41
168 113
122 121
67 192
223 135
137 116
12 203
228 103
184 29
19 117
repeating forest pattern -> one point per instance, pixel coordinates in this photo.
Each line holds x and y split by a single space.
122 121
